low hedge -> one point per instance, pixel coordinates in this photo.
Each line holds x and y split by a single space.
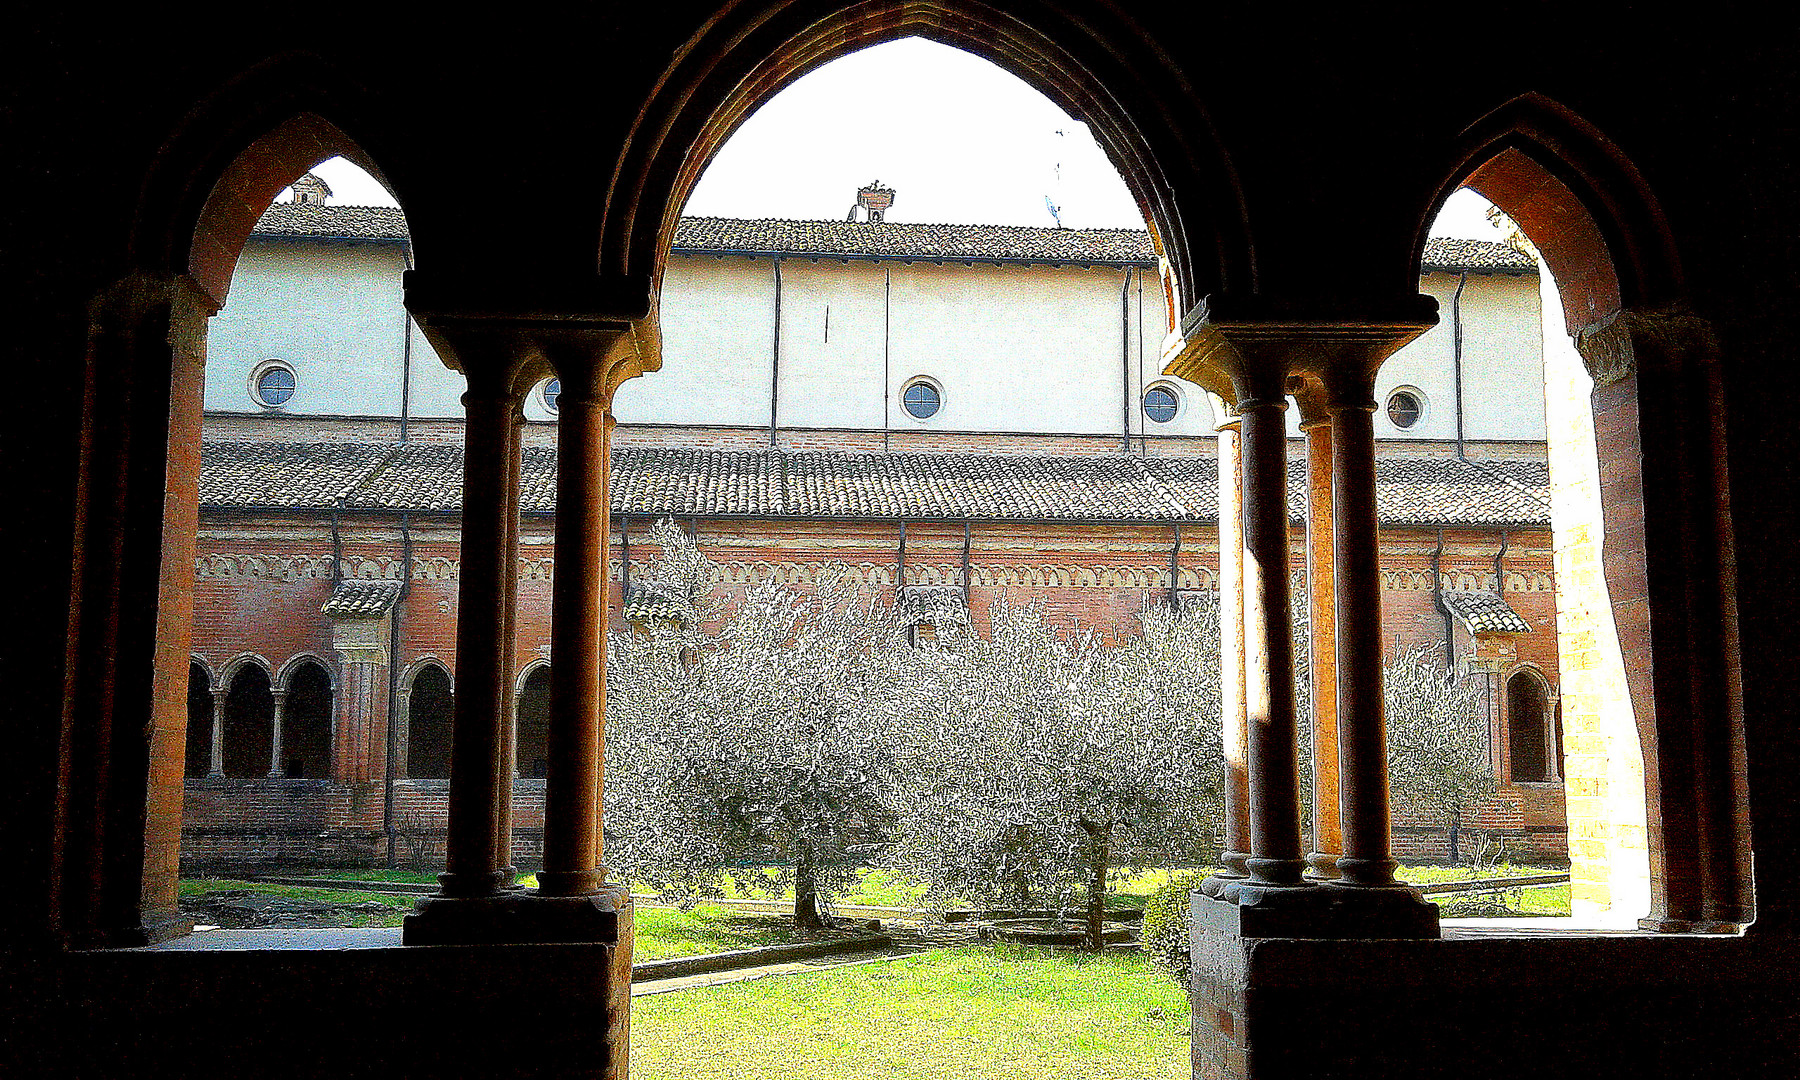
1165 932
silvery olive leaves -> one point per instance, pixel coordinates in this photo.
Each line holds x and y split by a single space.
804 732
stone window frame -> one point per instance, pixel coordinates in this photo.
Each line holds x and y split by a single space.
260 372
1420 401
1180 403
936 387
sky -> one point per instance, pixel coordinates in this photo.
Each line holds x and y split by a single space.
900 113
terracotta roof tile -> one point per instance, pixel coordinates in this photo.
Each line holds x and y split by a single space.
1485 612
657 481
361 599
897 240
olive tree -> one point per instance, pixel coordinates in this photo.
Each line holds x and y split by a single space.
1044 760
752 738
1438 763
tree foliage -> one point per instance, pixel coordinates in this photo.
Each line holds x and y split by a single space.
1438 763
761 742
1047 759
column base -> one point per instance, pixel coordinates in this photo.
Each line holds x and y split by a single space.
524 917
1317 911
1321 866
1689 926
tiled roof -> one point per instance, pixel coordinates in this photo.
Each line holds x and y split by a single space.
898 240
646 482
1485 612
651 603
361 599
332 221
300 475
1443 253
930 605
904 240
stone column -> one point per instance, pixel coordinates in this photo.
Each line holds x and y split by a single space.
577 630
509 617
217 766
476 865
275 770
1276 858
1362 720
1234 731
1327 840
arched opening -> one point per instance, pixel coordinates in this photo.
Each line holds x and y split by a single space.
199 722
533 711
248 723
1653 726
428 724
1533 751
306 723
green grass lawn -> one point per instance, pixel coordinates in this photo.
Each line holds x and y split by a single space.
1537 902
666 932
1432 875
975 1013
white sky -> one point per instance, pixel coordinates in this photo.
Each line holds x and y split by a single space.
900 113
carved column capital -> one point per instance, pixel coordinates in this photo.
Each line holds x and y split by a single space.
1253 348
1613 350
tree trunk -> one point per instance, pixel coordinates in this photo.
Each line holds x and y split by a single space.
1096 913
806 897
1455 826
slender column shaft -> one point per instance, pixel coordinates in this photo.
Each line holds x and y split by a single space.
509 618
1231 658
1362 721
577 641
216 764
1269 645
1321 593
474 861
275 725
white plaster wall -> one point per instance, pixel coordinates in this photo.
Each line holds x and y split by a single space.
332 311
832 337
1503 387
717 332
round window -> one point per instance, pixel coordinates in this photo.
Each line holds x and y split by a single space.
272 384
1161 404
552 391
922 400
1405 407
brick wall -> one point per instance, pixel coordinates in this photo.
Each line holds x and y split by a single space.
260 582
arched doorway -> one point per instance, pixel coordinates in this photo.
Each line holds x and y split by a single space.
533 710
248 723
428 724
306 722
200 721
1529 736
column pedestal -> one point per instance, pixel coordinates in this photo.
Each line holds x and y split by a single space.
523 917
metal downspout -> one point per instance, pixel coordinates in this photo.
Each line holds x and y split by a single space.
775 358
1456 357
1125 356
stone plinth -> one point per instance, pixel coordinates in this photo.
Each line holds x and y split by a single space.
522 917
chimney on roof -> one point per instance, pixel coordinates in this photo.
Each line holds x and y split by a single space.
873 200
310 190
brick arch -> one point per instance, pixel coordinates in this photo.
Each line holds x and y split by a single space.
1580 201
1102 68
230 668
1668 551
254 135
284 677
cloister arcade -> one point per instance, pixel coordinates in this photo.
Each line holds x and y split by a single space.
1303 974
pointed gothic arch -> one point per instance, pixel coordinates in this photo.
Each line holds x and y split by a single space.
1668 555
1103 69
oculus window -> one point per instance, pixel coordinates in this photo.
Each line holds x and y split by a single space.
1161 404
272 384
922 399
550 391
1405 408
